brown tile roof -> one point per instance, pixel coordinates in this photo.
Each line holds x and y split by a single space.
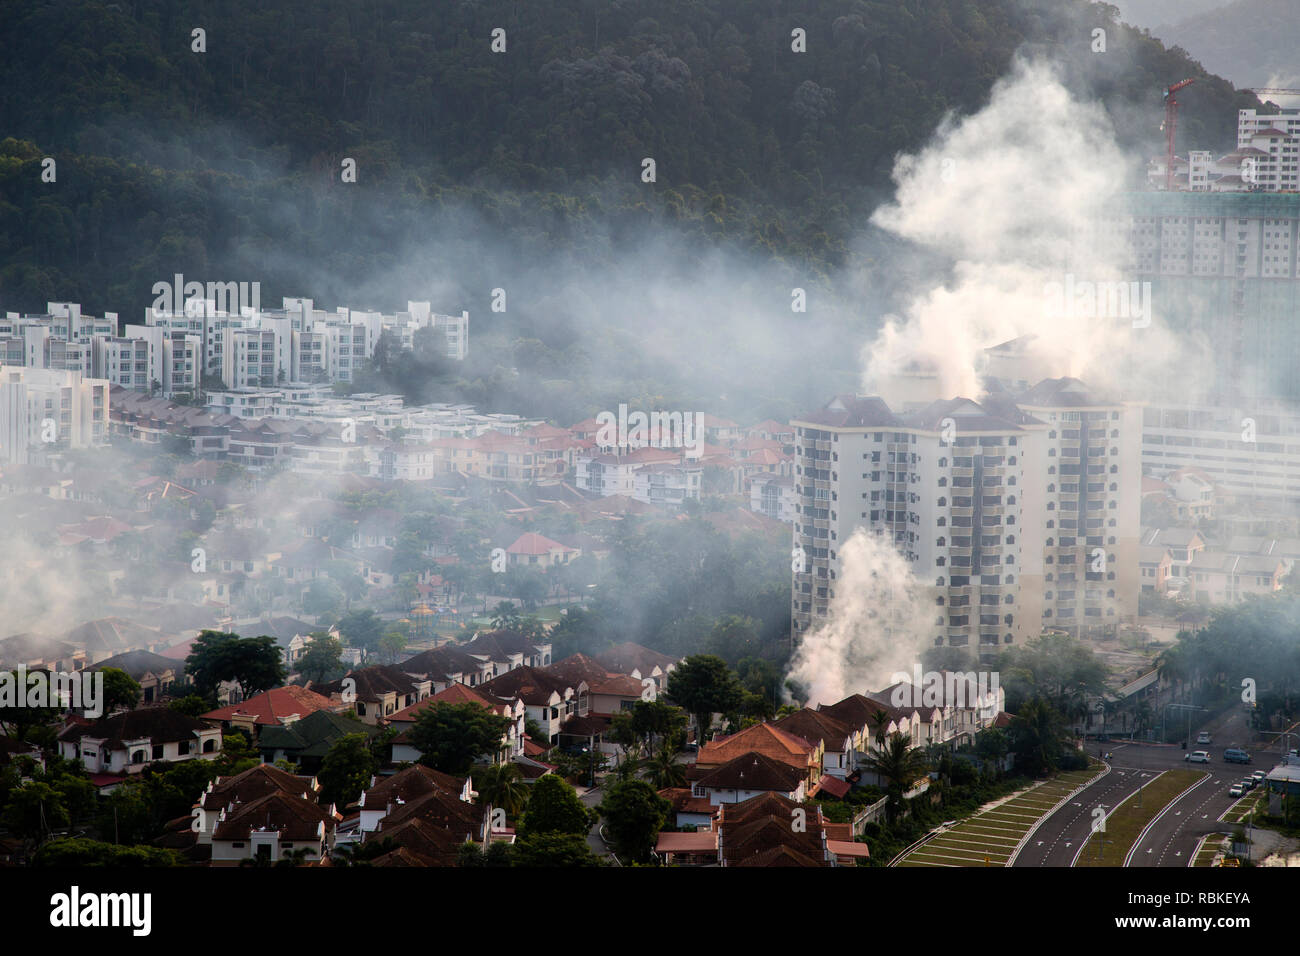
425 838
762 738
754 771
531 685
408 784
441 810
628 657
294 817
855 710
253 784
158 724
374 682
813 725
780 855
455 694
577 668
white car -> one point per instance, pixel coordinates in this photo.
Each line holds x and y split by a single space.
1198 756
1235 790
1203 738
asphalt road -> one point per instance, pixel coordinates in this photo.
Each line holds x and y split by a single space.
1171 839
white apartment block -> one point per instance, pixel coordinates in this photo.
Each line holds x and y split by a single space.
48 410
1251 452
669 484
994 506
1267 158
130 363
773 495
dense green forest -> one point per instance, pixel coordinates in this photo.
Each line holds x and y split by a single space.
521 169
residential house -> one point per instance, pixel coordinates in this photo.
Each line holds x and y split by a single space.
154 673
271 708
127 742
385 794
538 551
270 826
835 736
377 692
512 740
305 741
549 699
638 662
769 740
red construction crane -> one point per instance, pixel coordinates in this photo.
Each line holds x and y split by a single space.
1169 125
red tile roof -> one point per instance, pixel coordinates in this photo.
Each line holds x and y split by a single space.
270 707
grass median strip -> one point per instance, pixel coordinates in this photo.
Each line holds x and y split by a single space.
993 833
1124 823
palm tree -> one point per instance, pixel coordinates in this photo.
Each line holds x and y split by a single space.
295 857
663 770
505 616
360 854
502 785
879 725
899 763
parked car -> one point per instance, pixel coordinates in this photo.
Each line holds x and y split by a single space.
1197 756
1247 784
1203 737
1258 776
1235 790
1236 755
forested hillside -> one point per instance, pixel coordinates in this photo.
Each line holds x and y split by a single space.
474 167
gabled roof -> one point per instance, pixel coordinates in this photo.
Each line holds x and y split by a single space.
373 683
502 645
754 771
749 831
535 544
628 657
427 842
442 662
158 724
1063 393
532 685
313 735
456 693
780 855
139 663
111 633
816 725
440 809
764 738
254 783
855 710
294 817
406 785
577 668
850 411
271 707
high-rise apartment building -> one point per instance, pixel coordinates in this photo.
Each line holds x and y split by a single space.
1014 514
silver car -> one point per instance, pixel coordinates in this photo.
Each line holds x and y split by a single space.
1198 756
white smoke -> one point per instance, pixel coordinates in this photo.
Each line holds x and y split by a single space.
877 625
1009 196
